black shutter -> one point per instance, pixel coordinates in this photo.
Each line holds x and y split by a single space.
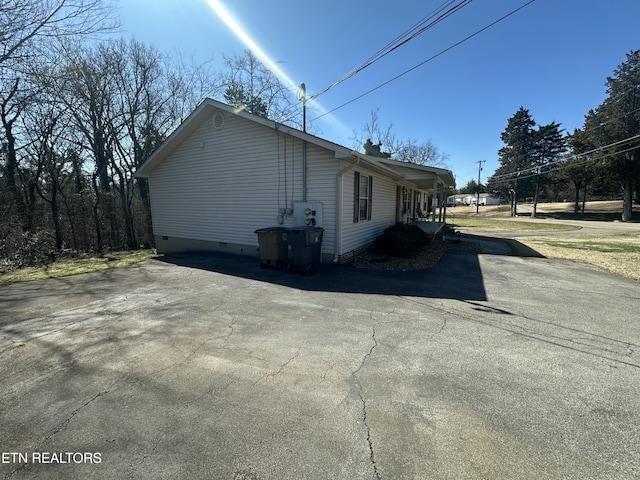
356 197
370 197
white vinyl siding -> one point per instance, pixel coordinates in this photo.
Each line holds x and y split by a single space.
383 205
222 185
322 168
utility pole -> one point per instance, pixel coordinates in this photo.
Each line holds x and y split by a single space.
302 96
479 162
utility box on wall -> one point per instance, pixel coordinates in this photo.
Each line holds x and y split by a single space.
307 214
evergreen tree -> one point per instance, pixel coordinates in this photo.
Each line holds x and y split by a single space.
549 145
618 119
517 155
236 95
250 85
578 169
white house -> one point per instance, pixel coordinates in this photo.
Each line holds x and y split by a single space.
223 173
485 199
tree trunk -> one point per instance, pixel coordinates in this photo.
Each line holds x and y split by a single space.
55 217
627 200
143 187
72 221
576 205
127 216
30 206
96 214
534 210
584 198
10 171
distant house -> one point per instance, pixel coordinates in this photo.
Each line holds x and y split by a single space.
222 174
472 199
485 199
454 200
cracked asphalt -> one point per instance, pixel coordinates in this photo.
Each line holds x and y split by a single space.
206 366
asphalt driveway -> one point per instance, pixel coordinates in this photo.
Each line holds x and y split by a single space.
485 366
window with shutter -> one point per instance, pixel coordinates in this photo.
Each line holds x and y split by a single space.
362 194
356 197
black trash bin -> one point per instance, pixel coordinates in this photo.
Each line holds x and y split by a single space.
272 246
306 249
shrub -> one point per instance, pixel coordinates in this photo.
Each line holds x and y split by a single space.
24 249
401 240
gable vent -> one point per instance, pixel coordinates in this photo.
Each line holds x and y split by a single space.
218 120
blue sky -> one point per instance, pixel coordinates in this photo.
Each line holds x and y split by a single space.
552 57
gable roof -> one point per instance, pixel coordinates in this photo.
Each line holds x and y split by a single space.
419 174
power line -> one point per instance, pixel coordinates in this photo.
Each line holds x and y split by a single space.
427 60
557 167
400 40
548 167
408 31
614 144
609 120
533 171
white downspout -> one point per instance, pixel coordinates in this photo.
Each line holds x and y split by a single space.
339 203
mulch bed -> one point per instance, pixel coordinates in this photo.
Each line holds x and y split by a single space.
428 257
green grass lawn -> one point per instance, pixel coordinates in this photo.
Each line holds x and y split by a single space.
490 225
74 266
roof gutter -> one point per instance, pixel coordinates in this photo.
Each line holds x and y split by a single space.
379 166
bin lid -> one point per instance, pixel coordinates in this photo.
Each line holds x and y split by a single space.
306 229
270 230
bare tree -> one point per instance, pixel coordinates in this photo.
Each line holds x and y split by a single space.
28 26
385 142
188 83
382 138
125 98
29 29
13 101
250 85
45 127
425 153
144 117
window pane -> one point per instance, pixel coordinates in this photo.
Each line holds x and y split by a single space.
364 186
363 208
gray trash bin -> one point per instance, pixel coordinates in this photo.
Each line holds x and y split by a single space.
273 247
306 249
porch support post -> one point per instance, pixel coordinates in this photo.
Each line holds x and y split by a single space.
434 203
